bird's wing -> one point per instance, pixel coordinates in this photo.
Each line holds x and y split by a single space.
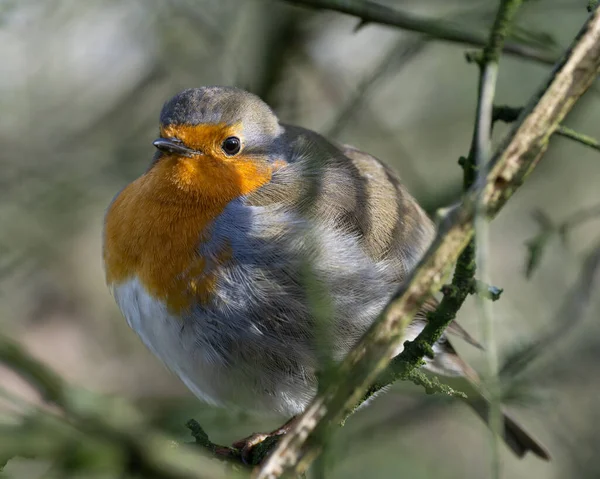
348 190
397 228
370 165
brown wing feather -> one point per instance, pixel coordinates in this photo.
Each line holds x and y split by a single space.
398 228
351 191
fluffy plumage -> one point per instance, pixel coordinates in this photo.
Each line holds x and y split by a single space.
219 261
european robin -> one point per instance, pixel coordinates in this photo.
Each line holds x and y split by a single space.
214 255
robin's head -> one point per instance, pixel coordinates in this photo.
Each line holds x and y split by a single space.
218 141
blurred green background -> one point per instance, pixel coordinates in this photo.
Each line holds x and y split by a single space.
81 87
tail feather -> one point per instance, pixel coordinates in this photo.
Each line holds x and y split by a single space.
515 437
520 441
447 362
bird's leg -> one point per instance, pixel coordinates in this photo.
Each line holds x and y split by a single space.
247 444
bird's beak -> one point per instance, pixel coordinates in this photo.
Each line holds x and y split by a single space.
173 145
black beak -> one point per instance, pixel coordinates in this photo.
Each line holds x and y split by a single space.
173 145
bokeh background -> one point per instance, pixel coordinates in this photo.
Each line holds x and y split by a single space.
81 87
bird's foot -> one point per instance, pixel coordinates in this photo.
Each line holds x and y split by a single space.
247 446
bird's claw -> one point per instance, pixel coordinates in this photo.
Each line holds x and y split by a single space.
246 446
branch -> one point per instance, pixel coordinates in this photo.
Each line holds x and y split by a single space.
371 12
550 229
578 137
149 453
516 157
402 53
509 114
569 315
481 155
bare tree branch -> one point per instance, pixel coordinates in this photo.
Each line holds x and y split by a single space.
371 12
516 157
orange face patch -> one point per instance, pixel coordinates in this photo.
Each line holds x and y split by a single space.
154 226
213 173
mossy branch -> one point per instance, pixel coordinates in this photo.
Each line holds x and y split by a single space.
515 158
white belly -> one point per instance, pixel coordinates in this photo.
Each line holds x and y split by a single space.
165 336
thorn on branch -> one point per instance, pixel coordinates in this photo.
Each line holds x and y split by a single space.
474 57
470 170
484 290
420 348
448 290
199 434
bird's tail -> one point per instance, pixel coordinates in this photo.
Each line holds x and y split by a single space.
448 363
515 437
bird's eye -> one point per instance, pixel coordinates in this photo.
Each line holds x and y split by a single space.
231 146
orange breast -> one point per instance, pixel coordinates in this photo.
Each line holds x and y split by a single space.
154 227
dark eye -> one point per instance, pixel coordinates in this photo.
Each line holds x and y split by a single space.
232 145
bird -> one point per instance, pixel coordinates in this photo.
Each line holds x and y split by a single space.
250 249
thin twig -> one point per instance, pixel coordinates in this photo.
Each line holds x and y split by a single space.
580 217
571 312
483 153
463 281
549 229
371 12
401 52
509 114
516 157
578 137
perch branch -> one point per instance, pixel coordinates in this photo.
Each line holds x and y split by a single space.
463 280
